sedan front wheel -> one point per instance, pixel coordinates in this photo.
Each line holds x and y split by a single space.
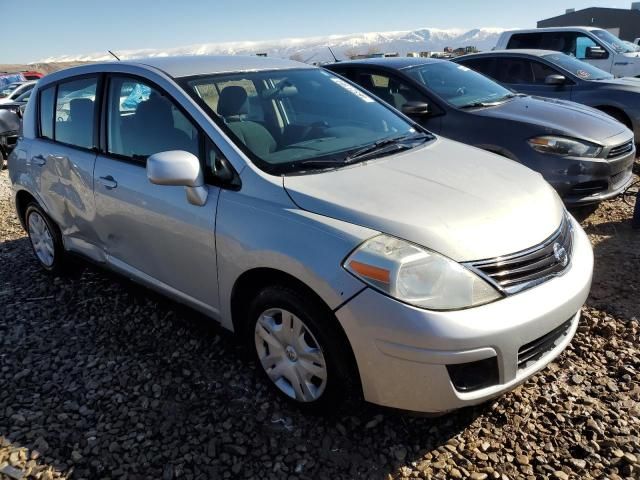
301 349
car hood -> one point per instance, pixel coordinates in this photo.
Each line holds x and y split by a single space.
630 83
463 202
557 117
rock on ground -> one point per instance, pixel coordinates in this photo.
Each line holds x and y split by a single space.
100 378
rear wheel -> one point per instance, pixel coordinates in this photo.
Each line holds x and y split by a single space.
299 349
45 238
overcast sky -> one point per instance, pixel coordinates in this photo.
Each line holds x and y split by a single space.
35 29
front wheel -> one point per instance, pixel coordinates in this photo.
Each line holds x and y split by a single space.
45 238
300 349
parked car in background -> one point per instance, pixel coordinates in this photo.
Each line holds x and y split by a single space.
594 45
18 105
556 75
9 131
356 254
32 75
586 155
14 90
8 78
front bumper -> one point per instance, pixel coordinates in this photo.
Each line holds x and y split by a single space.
582 181
402 351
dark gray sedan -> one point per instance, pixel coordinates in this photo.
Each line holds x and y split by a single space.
586 155
556 75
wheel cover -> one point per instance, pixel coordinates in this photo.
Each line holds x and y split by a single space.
290 355
41 239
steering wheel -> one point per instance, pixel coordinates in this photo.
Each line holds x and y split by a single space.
461 91
314 130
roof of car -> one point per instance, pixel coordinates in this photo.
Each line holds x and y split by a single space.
552 29
185 66
398 63
521 51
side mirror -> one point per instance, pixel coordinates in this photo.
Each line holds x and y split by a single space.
555 79
416 108
178 168
594 53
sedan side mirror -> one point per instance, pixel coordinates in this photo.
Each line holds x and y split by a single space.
555 79
416 108
178 168
594 53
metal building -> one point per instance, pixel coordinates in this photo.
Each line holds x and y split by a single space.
622 23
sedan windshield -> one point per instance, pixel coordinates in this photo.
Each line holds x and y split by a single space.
459 85
301 119
613 41
581 69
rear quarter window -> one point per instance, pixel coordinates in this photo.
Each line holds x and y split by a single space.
47 99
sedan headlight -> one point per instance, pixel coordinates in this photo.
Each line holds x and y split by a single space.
566 147
415 275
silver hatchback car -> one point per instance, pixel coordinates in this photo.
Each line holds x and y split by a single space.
358 255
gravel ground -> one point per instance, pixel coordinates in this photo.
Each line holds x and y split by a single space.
100 378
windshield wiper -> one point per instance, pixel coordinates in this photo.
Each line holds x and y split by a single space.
484 103
384 145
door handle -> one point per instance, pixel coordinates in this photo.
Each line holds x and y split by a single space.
108 182
39 160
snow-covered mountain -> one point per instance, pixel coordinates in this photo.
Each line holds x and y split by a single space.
314 49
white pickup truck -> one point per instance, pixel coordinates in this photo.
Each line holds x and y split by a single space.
593 45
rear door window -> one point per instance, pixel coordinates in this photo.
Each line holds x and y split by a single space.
514 71
75 112
525 40
486 66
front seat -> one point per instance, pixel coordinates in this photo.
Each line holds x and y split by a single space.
154 129
233 106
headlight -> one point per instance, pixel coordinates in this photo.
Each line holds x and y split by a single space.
569 147
418 276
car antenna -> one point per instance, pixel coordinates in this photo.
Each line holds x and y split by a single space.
333 54
116 56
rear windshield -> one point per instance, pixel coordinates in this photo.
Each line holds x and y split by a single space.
581 69
285 117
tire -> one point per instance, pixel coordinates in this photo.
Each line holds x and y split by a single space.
45 238
318 359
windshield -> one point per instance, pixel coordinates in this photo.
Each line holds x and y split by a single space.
292 120
581 69
458 85
613 41
632 46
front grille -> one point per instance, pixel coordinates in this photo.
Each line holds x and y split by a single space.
589 188
522 270
620 149
535 350
620 178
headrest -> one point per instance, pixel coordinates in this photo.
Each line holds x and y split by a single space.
233 101
81 109
155 111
